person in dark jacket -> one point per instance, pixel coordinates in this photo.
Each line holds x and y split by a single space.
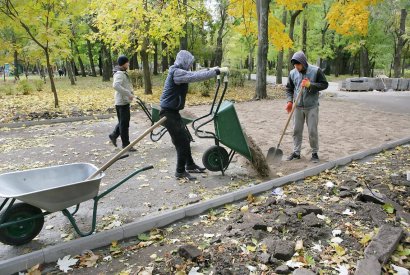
123 97
173 100
308 80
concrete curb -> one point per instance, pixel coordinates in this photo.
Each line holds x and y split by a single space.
74 247
54 121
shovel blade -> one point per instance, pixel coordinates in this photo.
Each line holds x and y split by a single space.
274 155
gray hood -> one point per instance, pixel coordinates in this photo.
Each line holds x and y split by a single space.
184 60
301 58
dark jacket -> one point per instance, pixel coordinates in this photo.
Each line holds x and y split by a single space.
176 85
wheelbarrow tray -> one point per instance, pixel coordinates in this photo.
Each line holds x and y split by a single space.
229 131
52 188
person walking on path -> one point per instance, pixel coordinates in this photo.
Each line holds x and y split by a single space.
173 100
310 80
123 97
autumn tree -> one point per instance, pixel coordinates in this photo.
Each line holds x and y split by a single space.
44 21
122 23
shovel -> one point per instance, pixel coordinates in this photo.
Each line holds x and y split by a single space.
275 154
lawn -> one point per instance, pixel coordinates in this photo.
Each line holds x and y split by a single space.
90 96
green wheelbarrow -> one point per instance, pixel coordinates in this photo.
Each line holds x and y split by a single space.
153 116
228 131
53 189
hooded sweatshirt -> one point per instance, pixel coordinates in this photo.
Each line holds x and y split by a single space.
318 82
176 85
122 86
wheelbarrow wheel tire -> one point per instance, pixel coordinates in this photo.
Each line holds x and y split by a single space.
212 158
22 233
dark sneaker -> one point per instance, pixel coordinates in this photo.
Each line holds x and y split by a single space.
293 156
113 140
184 175
314 158
132 149
195 169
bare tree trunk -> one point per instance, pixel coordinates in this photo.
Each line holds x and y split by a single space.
51 76
164 61
293 16
145 67
16 66
183 42
155 72
304 34
106 65
90 56
70 72
80 61
100 63
364 62
400 43
279 66
262 7
403 66
219 50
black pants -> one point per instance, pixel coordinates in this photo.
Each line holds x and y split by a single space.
122 128
180 138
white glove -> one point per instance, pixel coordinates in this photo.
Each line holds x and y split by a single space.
224 70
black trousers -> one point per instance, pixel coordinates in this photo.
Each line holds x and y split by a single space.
122 128
180 138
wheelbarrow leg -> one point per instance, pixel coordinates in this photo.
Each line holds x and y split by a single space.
191 139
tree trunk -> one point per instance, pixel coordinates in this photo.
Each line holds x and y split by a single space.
100 63
147 74
80 61
250 61
75 70
90 56
219 49
262 7
293 16
106 65
155 72
70 72
400 44
184 40
279 66
16 66
364 62
51 76
164 61
304 34
110 62
403 66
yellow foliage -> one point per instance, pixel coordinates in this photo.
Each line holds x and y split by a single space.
296 4
350 17
277 35
245 12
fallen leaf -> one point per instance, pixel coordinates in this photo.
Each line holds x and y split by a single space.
65 263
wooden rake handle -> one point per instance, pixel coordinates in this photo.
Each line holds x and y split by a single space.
290 116
120 153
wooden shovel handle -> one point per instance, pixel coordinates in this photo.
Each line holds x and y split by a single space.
290 116
118 155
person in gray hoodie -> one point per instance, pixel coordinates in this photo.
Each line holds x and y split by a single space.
123 97
173 100
308 80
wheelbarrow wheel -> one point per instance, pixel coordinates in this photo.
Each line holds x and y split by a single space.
21 233
212 158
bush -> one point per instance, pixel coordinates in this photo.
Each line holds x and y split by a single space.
24 87
39 84
137 78
7 89
237 77
204 88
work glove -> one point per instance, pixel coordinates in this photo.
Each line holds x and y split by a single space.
306 83
289 106
224 70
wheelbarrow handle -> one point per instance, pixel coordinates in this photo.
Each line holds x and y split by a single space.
119 154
